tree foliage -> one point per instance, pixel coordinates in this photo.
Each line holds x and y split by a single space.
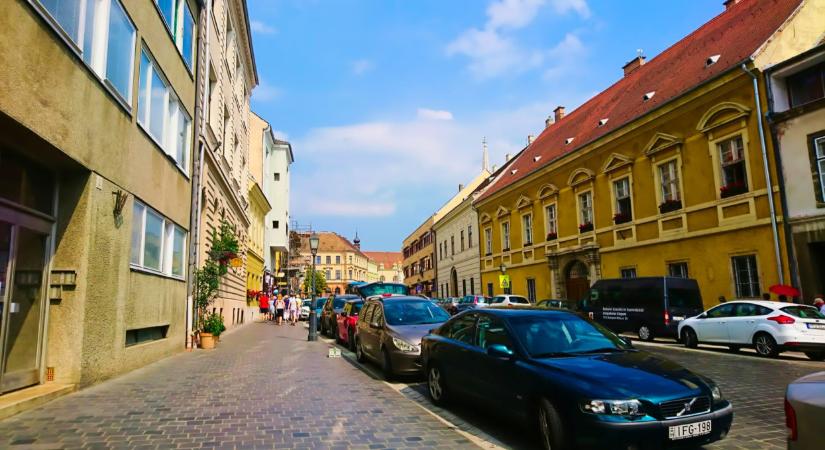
320 282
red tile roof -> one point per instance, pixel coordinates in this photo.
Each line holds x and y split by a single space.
386 258
734 35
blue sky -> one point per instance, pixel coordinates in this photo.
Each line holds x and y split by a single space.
386 102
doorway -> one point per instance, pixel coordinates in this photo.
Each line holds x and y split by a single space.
24 250
453 283
576 280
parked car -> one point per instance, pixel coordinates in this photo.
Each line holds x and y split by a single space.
328 320
471 301
508 299
557 303
769 327
804 410
380 288
345 326
389 331
581 384
650 306
305 307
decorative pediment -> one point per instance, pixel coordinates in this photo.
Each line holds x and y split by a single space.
524 202
579 176
484 218
661 141
615 161
548 190
721 114
502 211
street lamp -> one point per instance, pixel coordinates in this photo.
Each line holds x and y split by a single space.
313 317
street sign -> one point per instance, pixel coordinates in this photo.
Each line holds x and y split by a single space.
504 281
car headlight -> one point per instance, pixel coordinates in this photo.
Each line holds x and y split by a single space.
613 407
403 345
716 393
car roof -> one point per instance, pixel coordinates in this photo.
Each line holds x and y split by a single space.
520 311
769 304
395 297
358 300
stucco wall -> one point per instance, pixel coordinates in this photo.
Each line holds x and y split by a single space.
466 263
796 162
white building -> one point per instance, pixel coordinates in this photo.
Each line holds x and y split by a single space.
277 159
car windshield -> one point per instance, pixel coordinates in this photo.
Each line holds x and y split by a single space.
338 302
549 335
803 312
684 298
413 312
368 290
497 300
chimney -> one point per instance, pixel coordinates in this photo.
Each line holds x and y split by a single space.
506 157
548 121
460 187
729 3
558 113
495 167
530 139
634 64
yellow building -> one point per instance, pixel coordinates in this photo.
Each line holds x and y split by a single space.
259 205
660 174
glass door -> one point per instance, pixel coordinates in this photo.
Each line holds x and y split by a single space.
24 242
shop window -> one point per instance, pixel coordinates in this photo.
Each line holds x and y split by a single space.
734 171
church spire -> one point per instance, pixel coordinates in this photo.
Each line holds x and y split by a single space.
485 158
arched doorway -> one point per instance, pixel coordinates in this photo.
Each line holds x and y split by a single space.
576 282
453 283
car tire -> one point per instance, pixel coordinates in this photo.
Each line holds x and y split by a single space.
435 385
551 429
689 338
351 340
765 345
386 365
360 356
815 356
645 333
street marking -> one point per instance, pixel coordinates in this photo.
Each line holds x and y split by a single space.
718 351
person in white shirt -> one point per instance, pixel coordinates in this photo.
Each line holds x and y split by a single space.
819 303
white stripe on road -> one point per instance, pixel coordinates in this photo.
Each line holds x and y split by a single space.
743 353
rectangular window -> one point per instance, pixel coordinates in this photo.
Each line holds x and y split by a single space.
745 276
181 25
669 181
628 272
527 228
472 286
488 241
103 34
470 236
162 115
732 159
337 274
329 259
505 236
452 245
140 335
586 210
317 259
621 192
819 168
807 86
157 243
462 240
275 224
489 289
337 259
328 274
531 290
277 176
678 270
551 221
463 287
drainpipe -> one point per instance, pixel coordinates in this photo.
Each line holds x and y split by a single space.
197 180
779 270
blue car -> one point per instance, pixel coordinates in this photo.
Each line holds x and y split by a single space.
580 384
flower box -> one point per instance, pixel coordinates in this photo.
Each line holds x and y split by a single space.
585 227
621 218
732 189
552 236
669 206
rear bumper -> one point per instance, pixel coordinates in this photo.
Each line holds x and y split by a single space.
654 434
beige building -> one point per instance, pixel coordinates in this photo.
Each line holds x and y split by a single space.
96 148
227 80
418 251
388 266
259 207
340 260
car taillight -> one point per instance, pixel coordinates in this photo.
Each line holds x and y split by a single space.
667 318
782 320
790 420
386 295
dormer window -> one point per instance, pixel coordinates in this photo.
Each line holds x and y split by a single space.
536 158
649 95
711 60
513 172
603 122
568 141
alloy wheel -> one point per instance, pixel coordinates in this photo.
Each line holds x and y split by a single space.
434 382
764 345
644 333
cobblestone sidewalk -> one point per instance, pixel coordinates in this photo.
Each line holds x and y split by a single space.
263 387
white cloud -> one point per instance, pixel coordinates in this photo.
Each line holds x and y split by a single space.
261 28
265 92
361 66
434 114
512 13
565 57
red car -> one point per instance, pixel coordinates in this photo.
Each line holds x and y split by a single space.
346 323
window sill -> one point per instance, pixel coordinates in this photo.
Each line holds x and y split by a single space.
160 148
156 273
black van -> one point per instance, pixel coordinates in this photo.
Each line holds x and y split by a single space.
650 306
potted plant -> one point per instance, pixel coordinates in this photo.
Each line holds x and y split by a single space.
211 328
669 206
552 236
621 218
224 246
585 227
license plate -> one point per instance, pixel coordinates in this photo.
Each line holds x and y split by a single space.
678 318
816 326
689 430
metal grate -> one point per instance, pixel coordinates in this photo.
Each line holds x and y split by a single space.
684 407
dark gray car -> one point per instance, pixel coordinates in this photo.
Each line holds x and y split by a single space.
389 332
804 410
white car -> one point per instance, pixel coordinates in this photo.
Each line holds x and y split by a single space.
304 310
508 299
769 327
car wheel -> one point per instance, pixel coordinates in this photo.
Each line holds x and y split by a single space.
435 385
386 365
645 333
359 352
765 345
689 338
351 340
551 430
816 356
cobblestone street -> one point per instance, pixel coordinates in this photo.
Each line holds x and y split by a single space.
264 387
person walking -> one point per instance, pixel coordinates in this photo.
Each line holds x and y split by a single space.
263 305
294 309
819 303
279 309
271 302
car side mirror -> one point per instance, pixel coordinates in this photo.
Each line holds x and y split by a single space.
500 351
627 341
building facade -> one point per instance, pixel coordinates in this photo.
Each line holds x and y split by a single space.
419 259
797 112
229 75
388 266
92 251
259 206
340 260
663 173
277 159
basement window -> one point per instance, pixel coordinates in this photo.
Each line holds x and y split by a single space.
141 335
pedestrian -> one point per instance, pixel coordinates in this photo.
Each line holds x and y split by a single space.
722 299
263 305
272 300
766 296
783 298
819 302
279 309
294 309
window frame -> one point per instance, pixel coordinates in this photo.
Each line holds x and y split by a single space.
631 270
670 264
815 142
505 236
753 271
167 244
488 241
527 229
176 30
625 182
551 225
588 194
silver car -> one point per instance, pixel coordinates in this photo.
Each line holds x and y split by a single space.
804 412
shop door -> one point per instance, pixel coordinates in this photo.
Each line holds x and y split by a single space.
24 244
